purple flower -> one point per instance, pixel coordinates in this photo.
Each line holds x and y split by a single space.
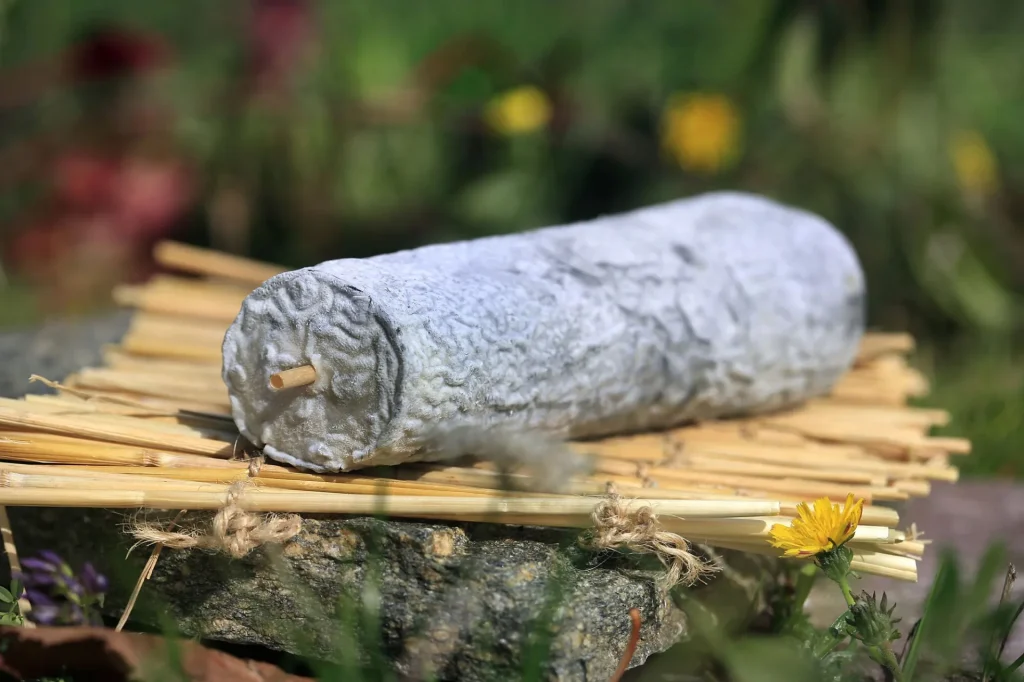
92 580
37 598
45 615
38 565
52 557
40 579
58 595
76 616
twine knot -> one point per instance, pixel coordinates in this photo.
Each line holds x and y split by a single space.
617 524
233 530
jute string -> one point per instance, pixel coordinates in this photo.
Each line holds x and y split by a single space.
617 524
234 530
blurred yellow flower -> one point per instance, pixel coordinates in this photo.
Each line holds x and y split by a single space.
701 131
817 529
520 110
974 163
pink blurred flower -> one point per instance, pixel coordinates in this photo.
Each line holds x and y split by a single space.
278 35
149 197
32 248
112 51
112 210
84 180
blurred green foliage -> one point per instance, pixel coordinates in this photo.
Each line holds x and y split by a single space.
897 120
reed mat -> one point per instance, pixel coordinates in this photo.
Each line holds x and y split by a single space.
150 428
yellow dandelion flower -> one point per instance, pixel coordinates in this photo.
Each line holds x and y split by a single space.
701 132
817 529
974 163
521 110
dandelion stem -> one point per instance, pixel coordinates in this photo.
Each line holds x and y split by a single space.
804 582
832 638
888 659
844 585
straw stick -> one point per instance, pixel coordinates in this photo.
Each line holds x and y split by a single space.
152 299
760 528
147 573
165 405
597 485
116 358
912 549
186 388
69 409
194 330
863 562
914 488
374 485
749 468
876 344
150 346
206 262
865 463
256 500
48 448
52 481
650 448
801 487
886 442
907 416
14 564
364 485
197 423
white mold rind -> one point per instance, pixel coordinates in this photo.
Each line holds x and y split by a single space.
720 305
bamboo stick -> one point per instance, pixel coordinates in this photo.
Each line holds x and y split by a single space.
293 378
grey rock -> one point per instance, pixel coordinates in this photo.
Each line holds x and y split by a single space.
719 305
54 350
470 602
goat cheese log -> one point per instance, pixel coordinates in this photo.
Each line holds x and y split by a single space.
720 305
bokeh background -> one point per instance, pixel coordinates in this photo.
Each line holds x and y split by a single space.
295 131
